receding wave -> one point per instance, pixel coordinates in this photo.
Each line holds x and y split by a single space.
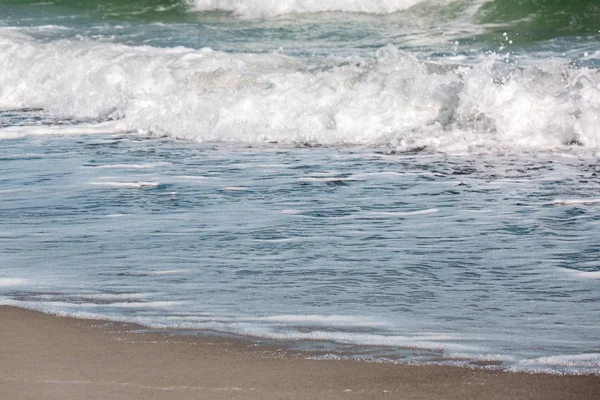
390 98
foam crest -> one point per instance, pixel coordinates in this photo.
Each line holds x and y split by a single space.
577 274
125 185
6 282
388 99
271 8
402 213
575 202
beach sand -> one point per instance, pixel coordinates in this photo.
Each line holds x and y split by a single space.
47 357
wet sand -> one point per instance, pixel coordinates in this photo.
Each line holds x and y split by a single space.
47 357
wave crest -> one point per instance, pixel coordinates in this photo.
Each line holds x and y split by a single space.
391 98
271 8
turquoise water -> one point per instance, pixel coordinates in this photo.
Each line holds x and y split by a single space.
404 180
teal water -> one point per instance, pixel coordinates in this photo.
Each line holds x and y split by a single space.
401 180
474 21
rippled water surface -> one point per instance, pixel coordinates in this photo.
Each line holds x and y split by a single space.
493 258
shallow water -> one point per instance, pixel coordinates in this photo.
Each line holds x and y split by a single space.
490 258
411 183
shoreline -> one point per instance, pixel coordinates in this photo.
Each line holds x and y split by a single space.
50 357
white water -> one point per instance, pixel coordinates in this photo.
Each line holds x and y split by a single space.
272 8
455 259
390 98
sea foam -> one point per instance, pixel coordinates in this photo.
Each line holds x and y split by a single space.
5 282
390 98
265 9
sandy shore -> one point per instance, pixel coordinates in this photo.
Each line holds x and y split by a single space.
46 357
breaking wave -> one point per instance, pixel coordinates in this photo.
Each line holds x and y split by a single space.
389 98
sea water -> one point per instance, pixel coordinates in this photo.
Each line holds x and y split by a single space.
404 180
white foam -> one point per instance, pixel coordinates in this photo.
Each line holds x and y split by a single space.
387 99
6 282
324 179
129 166
571 202
125 185
482 357
566 364
114 296
393 174
271 8
321 320
364 339
291 212
108 127
42 28
589 274
330 328
282 240
403 213
579 274
143 305
168 272
589 359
